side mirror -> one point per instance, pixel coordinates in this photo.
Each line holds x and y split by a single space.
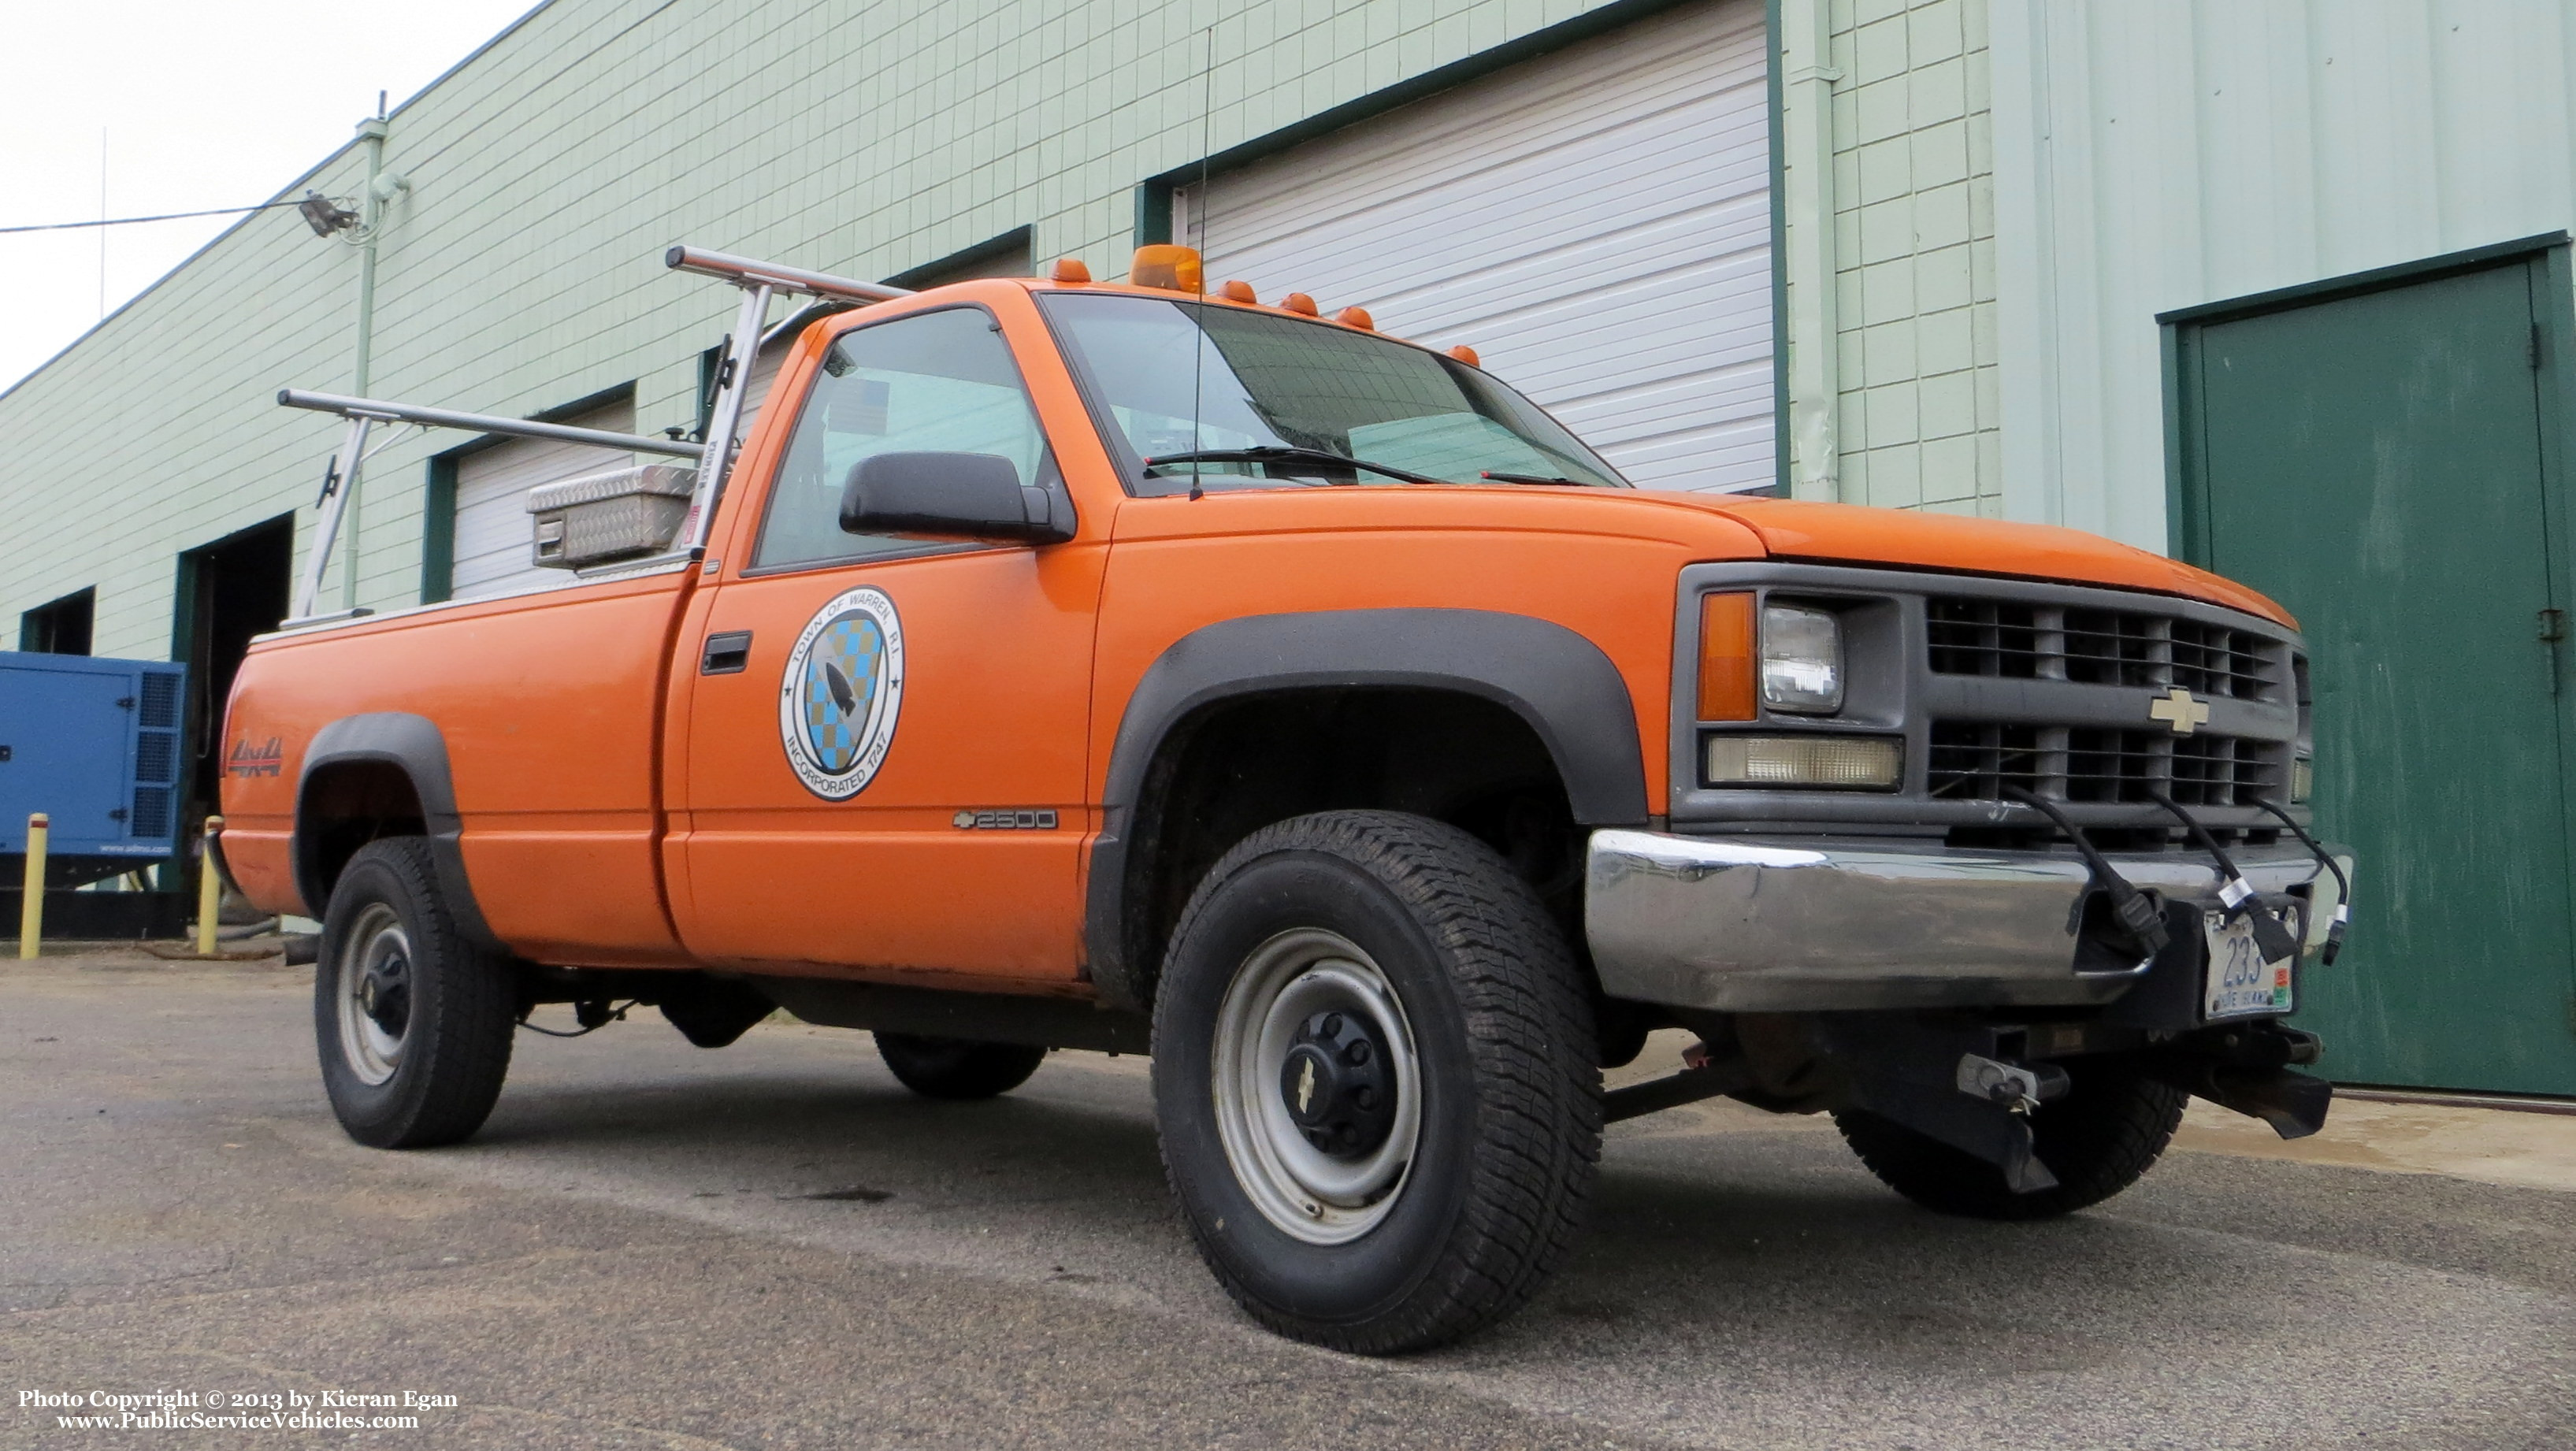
960 495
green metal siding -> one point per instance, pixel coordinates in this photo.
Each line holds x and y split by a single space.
522 269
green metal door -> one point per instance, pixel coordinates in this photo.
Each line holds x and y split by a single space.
2375 463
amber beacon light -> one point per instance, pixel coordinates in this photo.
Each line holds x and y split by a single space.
1163 265
1726 656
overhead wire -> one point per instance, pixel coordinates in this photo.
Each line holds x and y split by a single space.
163 217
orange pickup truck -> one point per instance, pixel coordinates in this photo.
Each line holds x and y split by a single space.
1143 668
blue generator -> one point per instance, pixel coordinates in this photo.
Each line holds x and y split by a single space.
96 746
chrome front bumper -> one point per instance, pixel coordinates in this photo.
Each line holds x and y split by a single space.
1777 924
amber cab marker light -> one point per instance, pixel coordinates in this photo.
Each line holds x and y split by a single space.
1726 656
1466 355
1298 303
1172 268
1069 269
1237 291
1356 317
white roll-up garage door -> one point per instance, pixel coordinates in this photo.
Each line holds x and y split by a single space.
493 540
1595 223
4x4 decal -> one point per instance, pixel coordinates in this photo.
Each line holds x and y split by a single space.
840 694
265 758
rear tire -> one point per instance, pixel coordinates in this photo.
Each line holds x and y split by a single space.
413 1021
1376 1080
954 1068
2109 1129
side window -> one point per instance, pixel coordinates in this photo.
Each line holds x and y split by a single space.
936 382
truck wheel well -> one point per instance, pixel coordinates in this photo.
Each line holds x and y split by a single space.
343 806
1245 762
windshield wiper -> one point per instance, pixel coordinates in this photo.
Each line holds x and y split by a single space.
1501 477
1280 453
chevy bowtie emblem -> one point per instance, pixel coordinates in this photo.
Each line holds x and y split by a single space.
1306 1085
2178 709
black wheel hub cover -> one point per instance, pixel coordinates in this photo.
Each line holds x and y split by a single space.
1336 1085
384 995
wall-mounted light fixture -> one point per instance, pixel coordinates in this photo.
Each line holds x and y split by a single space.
324 215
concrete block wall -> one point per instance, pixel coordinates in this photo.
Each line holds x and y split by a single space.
522 270
1913 254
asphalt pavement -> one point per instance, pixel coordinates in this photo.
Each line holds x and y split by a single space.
774 1245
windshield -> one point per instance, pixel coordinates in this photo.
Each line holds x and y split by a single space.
1263 384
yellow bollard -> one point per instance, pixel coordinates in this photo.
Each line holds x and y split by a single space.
31 901
210 889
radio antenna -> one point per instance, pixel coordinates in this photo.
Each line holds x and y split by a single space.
1198 219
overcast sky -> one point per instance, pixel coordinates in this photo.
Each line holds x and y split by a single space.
204 105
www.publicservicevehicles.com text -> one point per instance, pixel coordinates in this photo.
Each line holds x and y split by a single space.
326 1410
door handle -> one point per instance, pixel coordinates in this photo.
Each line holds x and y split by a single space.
726 654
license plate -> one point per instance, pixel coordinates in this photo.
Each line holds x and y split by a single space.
2241 983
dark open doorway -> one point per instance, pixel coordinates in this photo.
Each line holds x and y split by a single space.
59 627
229 591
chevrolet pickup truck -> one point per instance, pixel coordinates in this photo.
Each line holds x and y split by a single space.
1143 668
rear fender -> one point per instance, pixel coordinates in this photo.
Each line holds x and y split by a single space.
411 744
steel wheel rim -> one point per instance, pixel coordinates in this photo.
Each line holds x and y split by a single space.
377 947
1310 1195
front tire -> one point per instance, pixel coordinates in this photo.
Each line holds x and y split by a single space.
954 1068
2109 1129
414 1022
1376 1080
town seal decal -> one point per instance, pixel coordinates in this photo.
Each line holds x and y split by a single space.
841 692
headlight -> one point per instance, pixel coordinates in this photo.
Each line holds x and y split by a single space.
1802 660
2303 779
1869 763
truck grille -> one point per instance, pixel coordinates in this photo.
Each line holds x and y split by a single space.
2101 647
1973 760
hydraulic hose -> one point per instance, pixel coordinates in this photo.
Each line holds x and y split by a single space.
2138 912
2343 884
2274 939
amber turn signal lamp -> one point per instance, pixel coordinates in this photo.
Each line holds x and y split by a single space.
1237 291
1070 269
1726 656
1466 355
1356 317
1299 303
1175 269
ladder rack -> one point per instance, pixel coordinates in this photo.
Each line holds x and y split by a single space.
760 281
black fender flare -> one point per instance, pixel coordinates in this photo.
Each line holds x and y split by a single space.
1557 681
412 744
